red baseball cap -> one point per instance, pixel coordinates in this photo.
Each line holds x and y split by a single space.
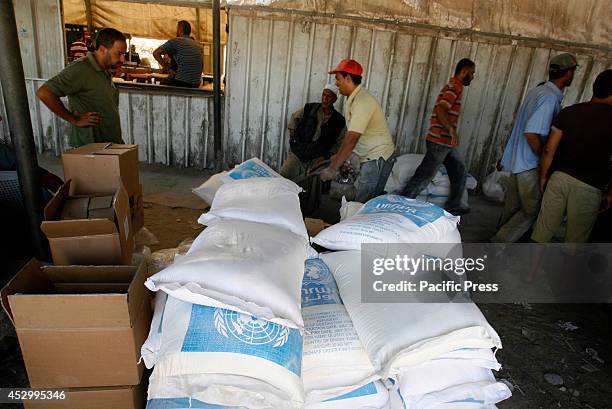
350 66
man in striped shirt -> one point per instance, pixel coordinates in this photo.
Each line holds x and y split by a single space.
187 54
79 47
442 141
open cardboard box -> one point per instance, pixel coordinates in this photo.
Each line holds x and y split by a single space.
99 168
89 241
80 326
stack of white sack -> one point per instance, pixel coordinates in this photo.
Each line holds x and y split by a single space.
436 192
393 219
230 331
435 353
248 267
335 364
252 168
206 356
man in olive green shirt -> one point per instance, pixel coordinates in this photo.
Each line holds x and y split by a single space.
92 96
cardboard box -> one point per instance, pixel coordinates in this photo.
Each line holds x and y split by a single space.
96 168
80 326
119 397
89 241
314 226
138 212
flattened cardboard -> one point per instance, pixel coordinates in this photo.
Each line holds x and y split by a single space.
72 339
95 168
89 241
119 397
314 226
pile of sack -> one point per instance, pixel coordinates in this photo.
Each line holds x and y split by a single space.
436 192
227 327
252 317
429 355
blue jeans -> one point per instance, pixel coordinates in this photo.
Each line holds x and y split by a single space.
373 177
437 155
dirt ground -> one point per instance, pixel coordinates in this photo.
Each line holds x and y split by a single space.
573 342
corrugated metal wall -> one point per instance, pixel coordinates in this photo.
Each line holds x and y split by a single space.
277 62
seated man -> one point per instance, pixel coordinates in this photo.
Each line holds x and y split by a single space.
187 54
314 130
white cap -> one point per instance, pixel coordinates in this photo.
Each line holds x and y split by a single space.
332 87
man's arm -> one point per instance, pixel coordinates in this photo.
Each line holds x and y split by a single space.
549 153
441 111
535 142
158 55
606 198
295 120
55 104
348 144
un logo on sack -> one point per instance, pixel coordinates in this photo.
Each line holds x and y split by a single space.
317 272
248 329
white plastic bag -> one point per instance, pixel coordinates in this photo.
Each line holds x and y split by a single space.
493 188
374 395
248 267
150 348
439 374
222 357
273 201
403 169
348 209
207 190
476 394
407 334
391 219
334 361
251 168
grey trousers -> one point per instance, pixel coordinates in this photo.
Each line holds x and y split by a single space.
521 208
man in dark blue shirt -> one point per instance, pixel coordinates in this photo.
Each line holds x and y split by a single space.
187 54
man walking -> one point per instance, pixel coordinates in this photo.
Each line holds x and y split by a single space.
581 144
314 131
522 152
442 141
92 96
367 136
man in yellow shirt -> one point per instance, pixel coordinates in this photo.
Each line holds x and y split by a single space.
367 136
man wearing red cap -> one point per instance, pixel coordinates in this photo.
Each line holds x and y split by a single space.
367 135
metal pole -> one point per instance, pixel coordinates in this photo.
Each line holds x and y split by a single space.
22 136
88 16
216 14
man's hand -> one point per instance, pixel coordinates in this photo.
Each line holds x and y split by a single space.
606 202
543 181
86 119
454 136
328 174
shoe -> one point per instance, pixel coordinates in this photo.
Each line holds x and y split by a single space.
458 211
